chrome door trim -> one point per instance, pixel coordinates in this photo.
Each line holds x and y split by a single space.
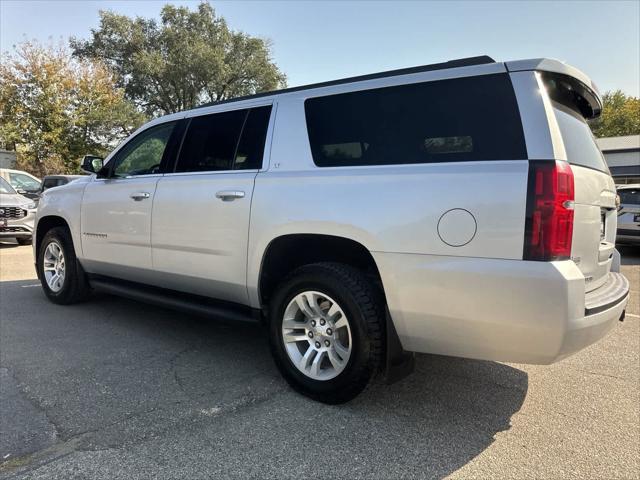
130 177
214 172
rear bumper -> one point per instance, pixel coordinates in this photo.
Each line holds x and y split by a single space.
503 310
582 332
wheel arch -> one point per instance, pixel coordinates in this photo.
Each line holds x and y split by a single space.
45 224
289 251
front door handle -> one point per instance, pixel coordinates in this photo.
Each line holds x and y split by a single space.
229 195
138 196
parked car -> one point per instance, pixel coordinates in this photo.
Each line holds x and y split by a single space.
22 182
51 181
629 215
17 214
453 209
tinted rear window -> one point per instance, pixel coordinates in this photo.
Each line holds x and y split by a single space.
225 141
578 140
251 147
462 119
210 142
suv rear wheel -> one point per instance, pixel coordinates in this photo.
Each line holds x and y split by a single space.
326 331
63 279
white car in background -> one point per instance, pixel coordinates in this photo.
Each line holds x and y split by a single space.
17 214
22 182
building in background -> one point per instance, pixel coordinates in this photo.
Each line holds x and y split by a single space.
7 159
623 157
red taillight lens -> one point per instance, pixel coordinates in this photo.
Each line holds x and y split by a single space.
549 224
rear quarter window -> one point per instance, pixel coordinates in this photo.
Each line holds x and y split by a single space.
579 143
463 119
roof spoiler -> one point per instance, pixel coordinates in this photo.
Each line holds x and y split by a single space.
567 84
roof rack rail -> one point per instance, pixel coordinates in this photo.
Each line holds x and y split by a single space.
462 62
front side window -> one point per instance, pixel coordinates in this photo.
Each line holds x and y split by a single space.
20 181
143 154
463 119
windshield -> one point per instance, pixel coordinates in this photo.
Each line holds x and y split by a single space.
5 187
22 181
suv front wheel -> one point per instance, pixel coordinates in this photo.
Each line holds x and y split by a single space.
63 279
326 331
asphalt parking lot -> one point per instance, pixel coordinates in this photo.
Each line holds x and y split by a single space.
117 389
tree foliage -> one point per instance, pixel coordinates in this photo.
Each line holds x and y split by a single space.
54 109
186 59
620 116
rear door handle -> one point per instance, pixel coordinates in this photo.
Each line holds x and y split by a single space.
229 195
138 196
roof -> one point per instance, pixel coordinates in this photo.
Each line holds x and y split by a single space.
462 62
539 64
550 65
612 144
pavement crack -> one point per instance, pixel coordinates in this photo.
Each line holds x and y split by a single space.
37 405
608 375
174 370
64 447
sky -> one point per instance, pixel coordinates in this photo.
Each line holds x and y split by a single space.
314 41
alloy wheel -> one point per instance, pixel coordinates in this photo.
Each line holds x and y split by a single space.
317 335
54 266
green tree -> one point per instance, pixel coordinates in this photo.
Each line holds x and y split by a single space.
54 109
620 116
188 58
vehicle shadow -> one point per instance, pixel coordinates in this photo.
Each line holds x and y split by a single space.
8 244
116 373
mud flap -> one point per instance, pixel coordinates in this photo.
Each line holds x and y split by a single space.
398 363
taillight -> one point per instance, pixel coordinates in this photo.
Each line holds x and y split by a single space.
549 223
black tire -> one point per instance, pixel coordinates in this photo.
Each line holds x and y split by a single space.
75 287
363 305
24 240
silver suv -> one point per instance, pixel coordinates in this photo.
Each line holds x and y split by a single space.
461 208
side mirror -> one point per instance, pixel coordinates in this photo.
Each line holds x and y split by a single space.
21 191
92 164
